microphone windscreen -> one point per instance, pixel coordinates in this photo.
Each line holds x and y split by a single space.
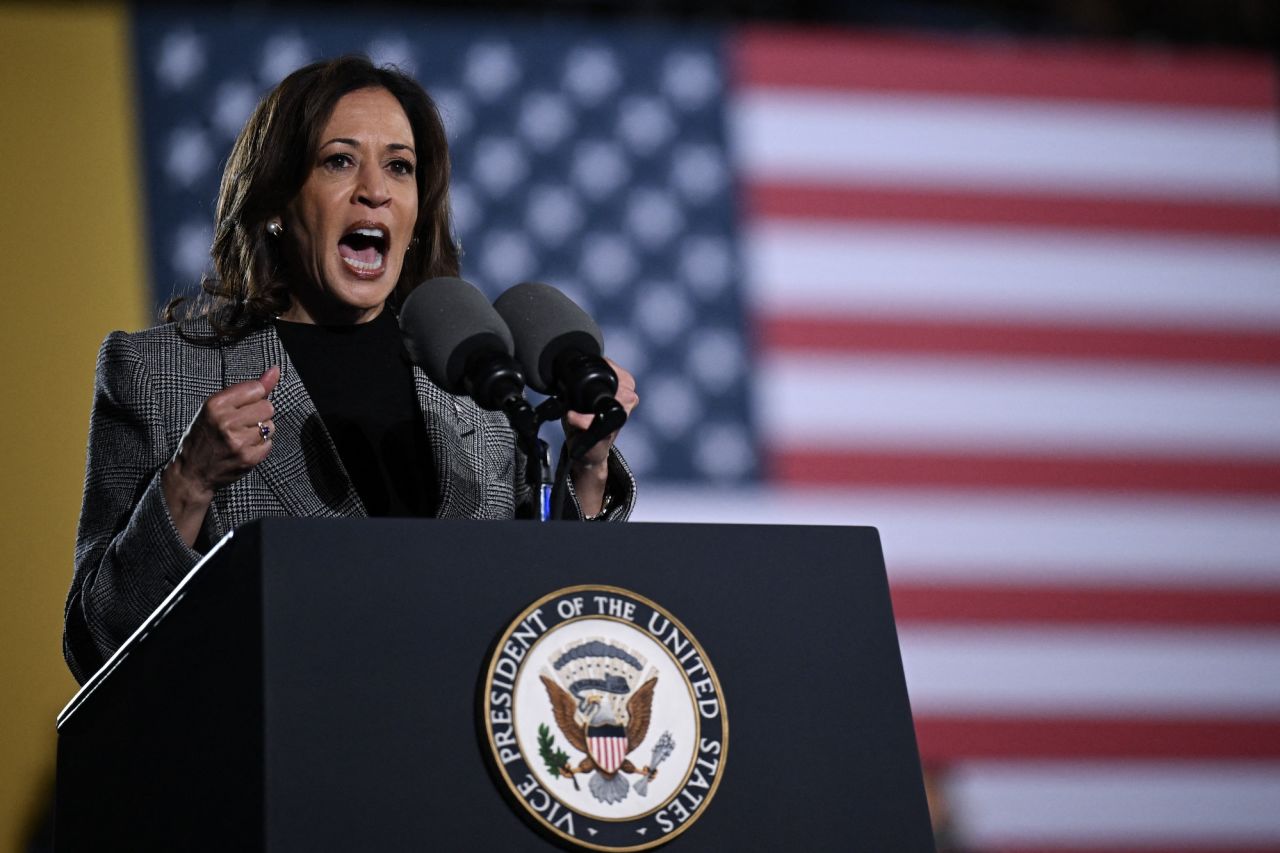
444 322
545 323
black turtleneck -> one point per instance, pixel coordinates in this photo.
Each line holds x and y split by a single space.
361 381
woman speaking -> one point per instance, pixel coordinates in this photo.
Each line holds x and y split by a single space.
284 390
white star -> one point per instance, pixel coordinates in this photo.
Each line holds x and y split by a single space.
233 104
499 165
662 310
690 79
706 265
189 155
607 262
181 58
591 74
645 123
699 171
491 68
653 217
553 213
281 56
545 119
190 253
716 359
670 405
599 168
507 258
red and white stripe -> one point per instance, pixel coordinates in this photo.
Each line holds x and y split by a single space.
609 752
1018 306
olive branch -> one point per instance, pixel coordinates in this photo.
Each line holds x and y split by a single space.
558 761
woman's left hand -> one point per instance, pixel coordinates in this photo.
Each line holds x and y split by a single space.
591 471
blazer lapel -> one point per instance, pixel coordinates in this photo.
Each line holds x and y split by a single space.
303 469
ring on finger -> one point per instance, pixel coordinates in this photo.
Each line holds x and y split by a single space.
264 430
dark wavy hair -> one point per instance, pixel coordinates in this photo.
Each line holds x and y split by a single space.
268 166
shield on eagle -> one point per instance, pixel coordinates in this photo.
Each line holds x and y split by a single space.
607 746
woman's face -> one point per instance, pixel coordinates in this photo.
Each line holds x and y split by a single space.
351 223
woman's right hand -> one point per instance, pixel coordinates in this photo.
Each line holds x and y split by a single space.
220 446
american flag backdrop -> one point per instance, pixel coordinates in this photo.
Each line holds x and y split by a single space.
1015 304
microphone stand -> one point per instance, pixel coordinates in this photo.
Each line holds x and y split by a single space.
525 421
540 467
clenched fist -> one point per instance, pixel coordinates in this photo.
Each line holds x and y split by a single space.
223 442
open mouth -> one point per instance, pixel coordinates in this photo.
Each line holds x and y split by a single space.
364 249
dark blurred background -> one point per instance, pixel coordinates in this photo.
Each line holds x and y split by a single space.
1229 23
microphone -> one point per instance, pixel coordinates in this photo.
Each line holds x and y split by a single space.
562 351
454 334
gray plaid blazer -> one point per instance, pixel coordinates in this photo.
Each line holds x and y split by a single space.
148 388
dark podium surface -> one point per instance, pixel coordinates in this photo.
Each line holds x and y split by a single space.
315 685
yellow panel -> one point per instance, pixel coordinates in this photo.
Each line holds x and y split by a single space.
70 238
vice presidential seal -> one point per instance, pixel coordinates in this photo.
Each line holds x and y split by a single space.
605 718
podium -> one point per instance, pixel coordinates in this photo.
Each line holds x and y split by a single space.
316 685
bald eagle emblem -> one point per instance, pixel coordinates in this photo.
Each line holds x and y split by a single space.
602 706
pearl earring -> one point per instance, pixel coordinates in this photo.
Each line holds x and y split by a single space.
275 228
